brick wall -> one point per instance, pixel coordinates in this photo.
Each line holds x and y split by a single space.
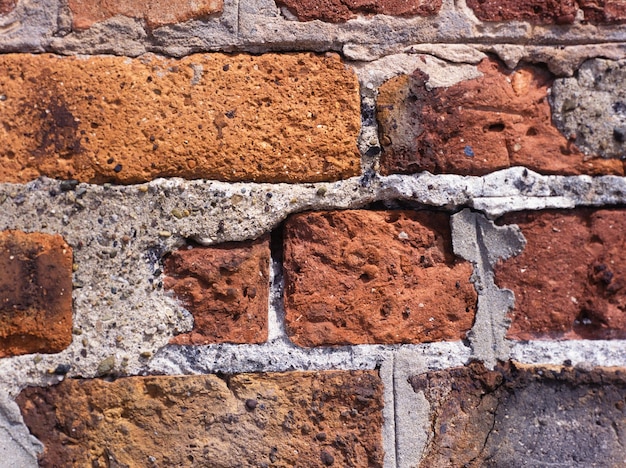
294 233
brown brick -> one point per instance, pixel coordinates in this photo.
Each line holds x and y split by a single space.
520 415
356 277
570 280
339 11
226 288
154 12
292 419
604 11
7 6
290 118
499 120
35 293
534 11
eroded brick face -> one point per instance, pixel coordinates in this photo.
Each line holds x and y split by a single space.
474 127
361 276
35 293
534 11
520 415
604 11
339 11
293 419
570 280
154 12
273 118
226 289
7 6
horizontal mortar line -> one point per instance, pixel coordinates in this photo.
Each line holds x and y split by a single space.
607 353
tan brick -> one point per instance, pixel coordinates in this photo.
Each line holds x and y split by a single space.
292 419
274 118
361 276
570 280
339 11
520 415
534 11
499 120
35 293
154 12
225 287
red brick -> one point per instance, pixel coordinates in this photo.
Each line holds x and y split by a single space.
226 288
292 419
356 277
271 118
520 415
7 6
534 11
154 12
499 120
339 11
35 293
570 280
604 11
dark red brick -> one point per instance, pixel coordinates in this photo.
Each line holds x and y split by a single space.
570 280
7 6
35 293
534 11
604 11
355 277
225 287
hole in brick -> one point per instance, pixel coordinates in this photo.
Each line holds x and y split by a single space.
532 131
496 127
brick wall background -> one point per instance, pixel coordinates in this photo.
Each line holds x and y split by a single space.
340 233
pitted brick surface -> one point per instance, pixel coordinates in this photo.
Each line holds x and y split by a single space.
477 126
518 416
35 293
570 280
225 288
534 11
361 276
604 11
339 11
154 12
291 118
293 419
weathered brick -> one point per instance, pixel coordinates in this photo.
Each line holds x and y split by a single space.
290 117
35 293
499 120
225 287
535 11
520 415
570 280
154 12
339 11
7 6
291 419
374 277
604 11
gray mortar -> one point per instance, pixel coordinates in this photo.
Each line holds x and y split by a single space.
18 449
590 108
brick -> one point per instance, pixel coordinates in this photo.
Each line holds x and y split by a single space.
226 288
570 280
340 11
35 293
154 12
292 419
520 415
534 11
7 6
604 11
272 118
499 120
354 277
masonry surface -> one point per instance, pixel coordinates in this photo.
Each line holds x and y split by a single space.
340 233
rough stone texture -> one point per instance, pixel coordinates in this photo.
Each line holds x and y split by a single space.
226 288
339 11
154 12
570 280
604 11
6 6
291 117
534 11
374 277
591 106
519 416
292 419
477 126
35 293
